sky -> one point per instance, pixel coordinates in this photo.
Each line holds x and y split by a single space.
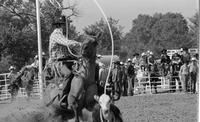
127 10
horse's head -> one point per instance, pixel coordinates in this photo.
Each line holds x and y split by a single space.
89 48
89 45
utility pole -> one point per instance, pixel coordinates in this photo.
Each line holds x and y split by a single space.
39 48
68 21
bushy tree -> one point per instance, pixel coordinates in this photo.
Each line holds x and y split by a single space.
18 34
156 32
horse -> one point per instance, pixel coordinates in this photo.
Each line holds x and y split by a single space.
24 79
105 111
82 87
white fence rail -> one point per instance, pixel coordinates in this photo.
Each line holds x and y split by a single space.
4 89
163 84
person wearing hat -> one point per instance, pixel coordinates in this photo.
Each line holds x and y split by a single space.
185 56
35 63
165 62
150 60
12 74
143 60
184 76
58 43
193 72
136 60
103 72
130 78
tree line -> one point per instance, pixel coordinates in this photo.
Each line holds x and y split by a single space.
18 33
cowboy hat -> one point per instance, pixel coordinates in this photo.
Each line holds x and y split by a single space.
129 60
193 59
11 68
59 20
36 57
99 56
164 51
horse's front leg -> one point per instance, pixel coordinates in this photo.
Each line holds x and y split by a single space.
73 105
75 109
74 95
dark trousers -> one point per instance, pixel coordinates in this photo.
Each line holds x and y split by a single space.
124 88
193 78
117 87
130 85
153 80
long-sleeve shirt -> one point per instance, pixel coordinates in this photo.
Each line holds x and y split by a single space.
193 68
184 70
58 45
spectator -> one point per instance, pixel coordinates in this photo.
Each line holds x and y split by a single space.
130 76
136 61
143 61
115 74
184 76
150 60
175 68
193 70
12 74
124 79
103 73
185 57
165 61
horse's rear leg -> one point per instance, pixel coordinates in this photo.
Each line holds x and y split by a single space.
28 91
14 92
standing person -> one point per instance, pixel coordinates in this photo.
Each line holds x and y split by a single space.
143 61
184 76
115 74
124 79
136 61
130 76
174 69
193 71
185 56
150 60
165 62
103 73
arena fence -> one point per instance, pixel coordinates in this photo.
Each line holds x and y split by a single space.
163 84
4 88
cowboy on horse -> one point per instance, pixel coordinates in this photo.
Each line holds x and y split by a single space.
60 59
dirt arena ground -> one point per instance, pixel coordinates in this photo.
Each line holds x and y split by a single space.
174 107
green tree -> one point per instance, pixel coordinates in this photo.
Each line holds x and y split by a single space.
193 30
18 35
156 32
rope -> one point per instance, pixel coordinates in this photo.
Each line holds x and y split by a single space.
112 42
77 56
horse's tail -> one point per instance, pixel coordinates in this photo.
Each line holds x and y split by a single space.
116 112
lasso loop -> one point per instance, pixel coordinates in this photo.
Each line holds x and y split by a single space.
111 42
77 56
